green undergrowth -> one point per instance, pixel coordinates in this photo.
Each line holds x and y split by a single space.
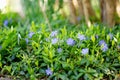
68 52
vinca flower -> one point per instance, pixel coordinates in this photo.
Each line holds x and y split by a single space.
96 36
48 72
26 39
101 42
70 42
81 37
111 35
5 23
31 34
59 50
85 51
53 33
54 40
104 46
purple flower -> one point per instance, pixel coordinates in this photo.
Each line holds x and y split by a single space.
30 34
81 37
54 40
5 23
101 42
26 39
104 46
53 33
96 36
111 35
70 42
48 72
59 50
85 51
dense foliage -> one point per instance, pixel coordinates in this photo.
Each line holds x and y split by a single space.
36 53
29 50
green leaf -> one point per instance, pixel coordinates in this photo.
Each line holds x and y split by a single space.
83 61
35 45
113 42
0 64
79 75
82 71
108 37
16 49
37 63
116 65
33 27
8 68
63 77
93 38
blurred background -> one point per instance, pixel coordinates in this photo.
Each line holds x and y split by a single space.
53 12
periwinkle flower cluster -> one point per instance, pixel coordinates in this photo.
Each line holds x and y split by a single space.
31 34
6 23
59 50
48 72
70 42
85 51
104 46
53 33
54 40
81 37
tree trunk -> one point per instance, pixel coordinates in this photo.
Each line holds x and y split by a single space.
80 6
16 6
72 12
118 7
103 11
90 9
86 5
108 11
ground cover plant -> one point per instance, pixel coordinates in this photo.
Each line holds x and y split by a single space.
36 53
45 45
